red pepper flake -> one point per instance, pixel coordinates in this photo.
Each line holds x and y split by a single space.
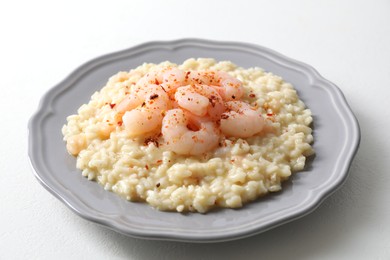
151 140
154 96
270 114
252 95
146 167
212 100
120 123
224 116
112 105
159 161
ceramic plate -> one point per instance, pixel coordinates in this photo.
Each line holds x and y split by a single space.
336 135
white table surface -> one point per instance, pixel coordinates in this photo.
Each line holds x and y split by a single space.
348 42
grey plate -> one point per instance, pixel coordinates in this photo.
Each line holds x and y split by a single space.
336 134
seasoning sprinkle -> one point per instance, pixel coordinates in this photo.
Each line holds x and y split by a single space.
154 96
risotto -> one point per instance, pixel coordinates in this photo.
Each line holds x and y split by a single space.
191 137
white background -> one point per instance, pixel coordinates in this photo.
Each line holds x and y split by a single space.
348 42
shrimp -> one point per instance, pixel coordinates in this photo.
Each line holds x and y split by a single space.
201 77
131 101
179 138
241 121
139 91
169 78
148 116
227 86
189 99
230 88
201 100
153 77
172 78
